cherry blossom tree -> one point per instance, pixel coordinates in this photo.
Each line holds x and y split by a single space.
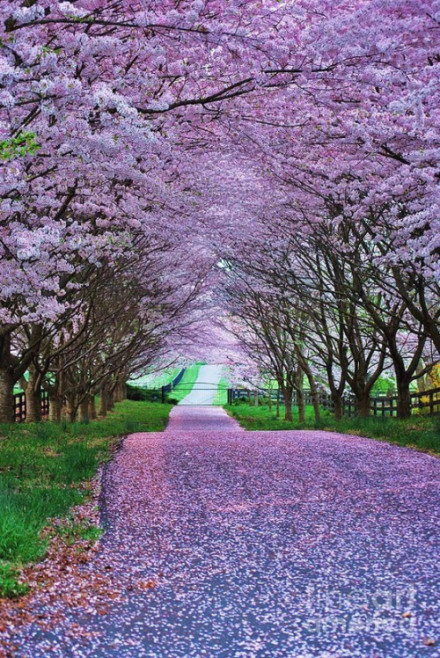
203 123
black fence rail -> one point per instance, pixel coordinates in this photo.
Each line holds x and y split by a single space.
423 402
20 406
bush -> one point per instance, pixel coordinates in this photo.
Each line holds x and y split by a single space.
138 394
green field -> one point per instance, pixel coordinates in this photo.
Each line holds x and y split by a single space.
185 386
419 432
41 468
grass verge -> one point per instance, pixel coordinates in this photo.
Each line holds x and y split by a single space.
419 432
42 470
221 397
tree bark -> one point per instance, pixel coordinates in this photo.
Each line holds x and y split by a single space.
288 392
300 405
314 394
33 396
70 408
403 400
110 400
103 407
55 408
92 407
33 406
121 392
363 404
6 396
84 410
338 405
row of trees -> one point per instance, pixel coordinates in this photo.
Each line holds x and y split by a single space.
322 310
127 317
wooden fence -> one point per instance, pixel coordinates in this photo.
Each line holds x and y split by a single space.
426 402
20 406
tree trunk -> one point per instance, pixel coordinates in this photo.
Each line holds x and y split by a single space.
70 408
288 392
121 392
33 405
6 396
314 394
33 396
363 404
338 405
55 408
278 403
301 405
84 410
92 407
403 400
103 407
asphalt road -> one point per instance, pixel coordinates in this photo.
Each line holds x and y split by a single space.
224 543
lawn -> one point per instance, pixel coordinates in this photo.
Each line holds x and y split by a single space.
42 467
420 432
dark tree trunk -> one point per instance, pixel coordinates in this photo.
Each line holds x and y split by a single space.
92 407
6 396
121 392
84 410
288 392
338 405
278 403
33 406
363 404
301 405
314 394
403 400
103 407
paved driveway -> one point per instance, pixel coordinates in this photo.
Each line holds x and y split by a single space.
225 543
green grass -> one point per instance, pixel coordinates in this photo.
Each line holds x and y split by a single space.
419 432
41 468
221 397
185 386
